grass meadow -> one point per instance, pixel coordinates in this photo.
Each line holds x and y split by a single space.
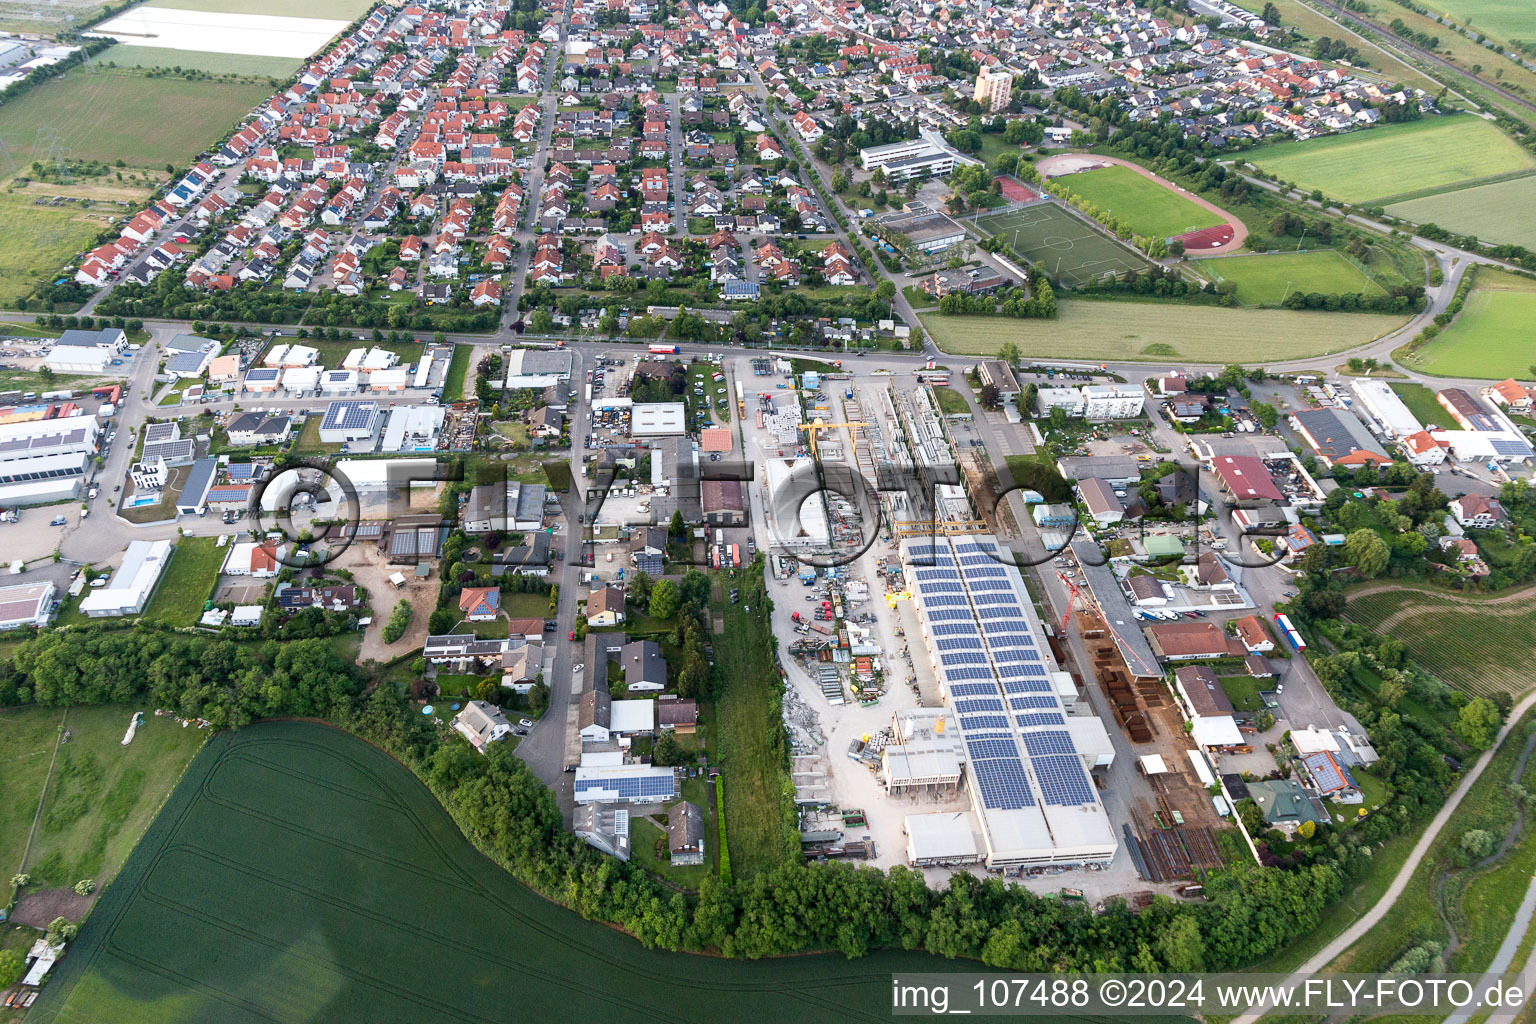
1148 207
300 873
1265 279
1114 329
108 115
1420 401
1491 337
1502 19
187 582
1501 211
1378 164
37 241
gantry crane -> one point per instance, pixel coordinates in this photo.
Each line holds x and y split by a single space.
819 424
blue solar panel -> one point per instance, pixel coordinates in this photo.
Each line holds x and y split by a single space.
998 598
348 415
1509 446
983 722
980 748
1031 702
1003 784
983 568
945 614
954 629
1324 772
977 585
1026 686
1063 780
935 587
630 788
971 673
958 643
937 574
1048 743
1040 718
962 658
941 600
966 707
972 690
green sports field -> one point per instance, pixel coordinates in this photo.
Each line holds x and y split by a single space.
1064 245
1501 211
1113 329
1264 279
1150 209
1377 164
300 874
1491 338
106 115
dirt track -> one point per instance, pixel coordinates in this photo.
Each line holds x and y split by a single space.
39 907
1069 163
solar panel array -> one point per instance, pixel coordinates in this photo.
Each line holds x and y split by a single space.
629 787
974 610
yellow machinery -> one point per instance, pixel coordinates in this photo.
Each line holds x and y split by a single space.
811 428
902 595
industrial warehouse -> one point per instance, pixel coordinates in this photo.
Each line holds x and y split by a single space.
1025 776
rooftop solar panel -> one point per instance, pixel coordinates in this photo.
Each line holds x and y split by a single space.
1063 780
986 748
1035 718
1026 686
1057 742
966 707
969 722
1018 703
972 690
1003 784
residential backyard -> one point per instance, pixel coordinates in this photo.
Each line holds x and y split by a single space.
187 582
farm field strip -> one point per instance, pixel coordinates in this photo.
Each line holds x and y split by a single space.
1363 165
1480 650
1267 278
1112 329
1501 211
128 55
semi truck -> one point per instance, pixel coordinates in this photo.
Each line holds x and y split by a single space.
664 350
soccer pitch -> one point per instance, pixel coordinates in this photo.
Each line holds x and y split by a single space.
1063 245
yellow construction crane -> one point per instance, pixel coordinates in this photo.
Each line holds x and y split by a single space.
811 428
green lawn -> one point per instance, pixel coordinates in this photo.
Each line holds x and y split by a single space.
108 115
300 874
27 738
1491 337
458 370
648 848
1148 207
102 795
1497 212
1118 330
308 440
1502 19
126 55
1243 692
332 353
187 582
1420 401
951 402
1265 280
525 606
1379 163
36 242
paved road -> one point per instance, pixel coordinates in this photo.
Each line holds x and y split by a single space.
1372 917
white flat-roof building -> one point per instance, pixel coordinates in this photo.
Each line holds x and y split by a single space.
913 158
388 380
1381 404
948 837
45 460
133 583
30 604
413 428
1112 401
338 382
348 421
658 419
302 378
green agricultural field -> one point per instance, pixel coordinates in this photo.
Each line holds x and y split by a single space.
102 795
126 55
1113 329
107 115
1064 245
1265 279
1503 211
187 582
1377 164
1501 19
1480 645
298 873
334 10
1491 337
37 241
1150 209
